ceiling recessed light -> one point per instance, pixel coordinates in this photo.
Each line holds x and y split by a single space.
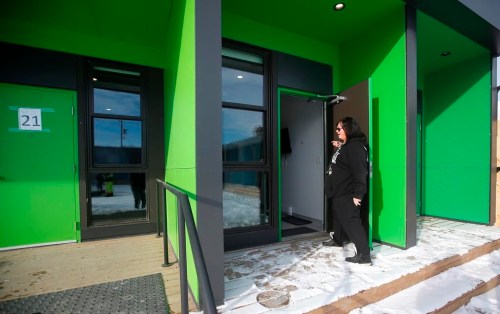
108 109
339 6
445 53
239 77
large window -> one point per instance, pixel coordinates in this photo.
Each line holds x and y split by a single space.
498 88
244 140
117 181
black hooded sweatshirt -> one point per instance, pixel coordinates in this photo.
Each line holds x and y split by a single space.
349 170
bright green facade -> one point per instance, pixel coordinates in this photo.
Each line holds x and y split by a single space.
384 62
375 51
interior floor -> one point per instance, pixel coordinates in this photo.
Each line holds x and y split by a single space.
313 227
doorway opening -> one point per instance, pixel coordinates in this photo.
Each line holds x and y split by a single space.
302 165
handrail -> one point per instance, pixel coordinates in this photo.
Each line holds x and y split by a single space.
186 221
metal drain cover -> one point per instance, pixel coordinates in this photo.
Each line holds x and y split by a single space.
273 299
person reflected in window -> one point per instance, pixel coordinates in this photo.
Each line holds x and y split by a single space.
346 184
138 185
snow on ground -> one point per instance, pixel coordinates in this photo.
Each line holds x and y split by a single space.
436 291
300 276
121 201
241 210
487 303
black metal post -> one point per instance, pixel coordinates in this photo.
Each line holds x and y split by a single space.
182 257
159 209
165 228
201 268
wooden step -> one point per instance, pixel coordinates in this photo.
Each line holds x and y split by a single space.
376 294
445 292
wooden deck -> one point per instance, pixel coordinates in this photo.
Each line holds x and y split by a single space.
39 270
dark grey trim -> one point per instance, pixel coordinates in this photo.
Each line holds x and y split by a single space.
39 67
411 126
82 143
302 74
208 141
155 141
494 131
487 9
102 232
465 18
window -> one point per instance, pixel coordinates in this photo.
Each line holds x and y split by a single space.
116 118
117 181
498 87
245 139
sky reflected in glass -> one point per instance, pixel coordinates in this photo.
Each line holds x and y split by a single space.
117 133
240 124
242 87
117 103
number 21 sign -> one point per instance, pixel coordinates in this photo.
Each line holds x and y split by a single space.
30 119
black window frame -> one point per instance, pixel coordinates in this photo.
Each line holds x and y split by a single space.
125 87
265 165
117 168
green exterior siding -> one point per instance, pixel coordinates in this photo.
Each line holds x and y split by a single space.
180 122
456 167
71 30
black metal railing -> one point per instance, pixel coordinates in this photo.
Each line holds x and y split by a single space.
185 221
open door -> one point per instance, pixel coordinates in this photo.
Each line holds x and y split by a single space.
357 104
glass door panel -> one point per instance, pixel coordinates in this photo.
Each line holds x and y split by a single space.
118 196
245 199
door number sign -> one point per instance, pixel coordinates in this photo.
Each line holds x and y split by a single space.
30 119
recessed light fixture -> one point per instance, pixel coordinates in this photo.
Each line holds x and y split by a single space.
108 109
239 77
339 6
445 53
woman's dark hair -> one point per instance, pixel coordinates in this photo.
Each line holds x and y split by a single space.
351 128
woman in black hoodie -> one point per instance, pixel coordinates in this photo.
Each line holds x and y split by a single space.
346 184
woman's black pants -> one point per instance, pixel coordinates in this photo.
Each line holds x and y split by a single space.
347 222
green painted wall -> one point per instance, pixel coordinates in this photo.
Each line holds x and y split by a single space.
93 30
379 53
456 159
38 178
180 122
265 36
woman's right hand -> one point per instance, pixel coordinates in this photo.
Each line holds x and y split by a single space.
336 144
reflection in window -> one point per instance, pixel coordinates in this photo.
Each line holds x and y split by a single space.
117 196
242 135
245 199
117 103
498 71
117 141
242 87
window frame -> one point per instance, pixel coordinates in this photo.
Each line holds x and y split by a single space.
92 114
263 166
